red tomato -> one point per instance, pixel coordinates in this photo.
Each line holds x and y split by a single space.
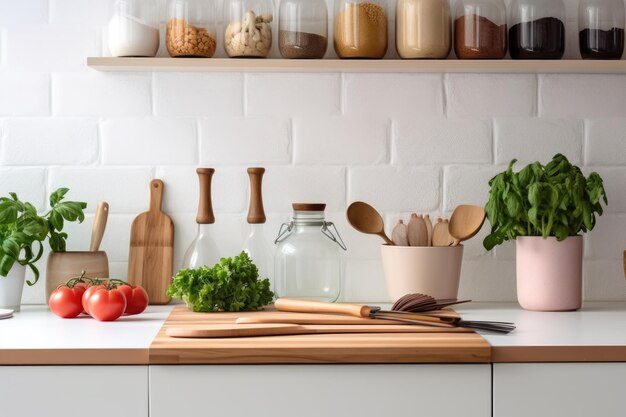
66 302
106 305
136 298
88 292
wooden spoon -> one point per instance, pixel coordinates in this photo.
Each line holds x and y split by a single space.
441 233
399 234
429 229
465 222
99 223
366 219
418 233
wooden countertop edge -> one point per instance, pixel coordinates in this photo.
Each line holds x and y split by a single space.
74 356
520 354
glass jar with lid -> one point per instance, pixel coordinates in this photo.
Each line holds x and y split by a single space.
134 28
303 29
480 29
360 28
423 29
537 29
601 29
190 30
308 258
248 31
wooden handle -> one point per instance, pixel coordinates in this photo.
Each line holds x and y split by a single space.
256 214
99 224
156 195
205 206
306 306
235 330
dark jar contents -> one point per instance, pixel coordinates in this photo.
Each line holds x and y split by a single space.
539 39
301 45
601 44
476 37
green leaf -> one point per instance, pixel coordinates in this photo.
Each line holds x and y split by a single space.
57 196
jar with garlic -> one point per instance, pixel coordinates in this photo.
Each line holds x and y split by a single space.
248 30
190 30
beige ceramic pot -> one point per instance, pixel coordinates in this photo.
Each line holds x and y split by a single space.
549 273
65 265
431 270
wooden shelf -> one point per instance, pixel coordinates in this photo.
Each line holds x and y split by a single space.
374 66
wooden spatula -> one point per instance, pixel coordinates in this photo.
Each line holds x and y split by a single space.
151 256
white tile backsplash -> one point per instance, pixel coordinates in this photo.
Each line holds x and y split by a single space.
403 142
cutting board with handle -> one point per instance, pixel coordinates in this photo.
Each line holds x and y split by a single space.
150 261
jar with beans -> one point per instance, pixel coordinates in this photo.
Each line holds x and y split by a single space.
248 32
190 30
480 29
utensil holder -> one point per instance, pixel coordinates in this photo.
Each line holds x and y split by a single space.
65 265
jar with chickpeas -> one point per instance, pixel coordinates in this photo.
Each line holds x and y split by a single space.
190 29
248 32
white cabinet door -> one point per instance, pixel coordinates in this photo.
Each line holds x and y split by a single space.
320 390
559 389
62 391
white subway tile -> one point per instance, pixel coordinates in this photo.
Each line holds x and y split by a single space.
198 94
360 246
436 141
125 189
292 94
395 189
603 281
530 140
28 183
101 94
583 96
229 189
467 185
606 142
607 241
249 140
93 12
24 94
50 141
51 48
491 95
488 280
341 140
18 13
614 184
364 282
284 185
147 141
400 95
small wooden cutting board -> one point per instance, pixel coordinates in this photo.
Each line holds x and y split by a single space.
150 261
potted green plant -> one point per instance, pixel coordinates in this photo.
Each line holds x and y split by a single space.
545 209
22 233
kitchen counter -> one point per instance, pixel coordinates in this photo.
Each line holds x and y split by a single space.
597 333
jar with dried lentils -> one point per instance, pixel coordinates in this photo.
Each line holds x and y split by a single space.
190 30
480 29
248 32
360 28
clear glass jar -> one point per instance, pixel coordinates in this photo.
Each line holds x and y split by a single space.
360 28
601 29
480 29
248 30
423 29
537 29
308 260
203 250
303 29
191 28
134 28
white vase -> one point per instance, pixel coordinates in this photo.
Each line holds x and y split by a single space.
11 287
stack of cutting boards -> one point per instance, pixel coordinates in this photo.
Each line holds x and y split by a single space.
384 342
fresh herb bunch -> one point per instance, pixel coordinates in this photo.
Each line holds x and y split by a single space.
232 284
552 200
21 228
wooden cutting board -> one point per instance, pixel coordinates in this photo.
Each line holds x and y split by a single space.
150 261
433 345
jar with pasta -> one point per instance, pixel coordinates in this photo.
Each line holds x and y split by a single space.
190 30
360 28
248 32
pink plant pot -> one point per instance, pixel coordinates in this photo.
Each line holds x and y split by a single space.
549 273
